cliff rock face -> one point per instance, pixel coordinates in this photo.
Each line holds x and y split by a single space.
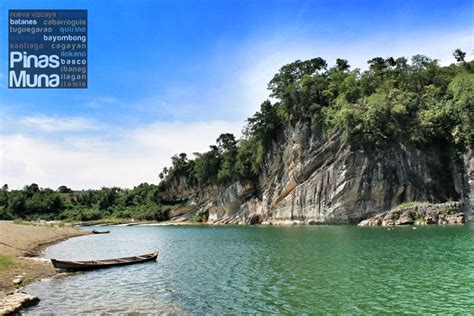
468 198
306 179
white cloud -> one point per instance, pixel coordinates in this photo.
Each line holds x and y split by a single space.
57 124
127 156
235 77
237 74
166 107
133 157
260 59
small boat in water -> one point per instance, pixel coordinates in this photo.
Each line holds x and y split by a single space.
100 231
100 264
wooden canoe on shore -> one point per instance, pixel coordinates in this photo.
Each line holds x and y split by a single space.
100 231
100 264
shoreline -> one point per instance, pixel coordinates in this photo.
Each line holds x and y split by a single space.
447 213
278 223
21 263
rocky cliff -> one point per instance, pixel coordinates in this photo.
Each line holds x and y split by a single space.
306 179
468 198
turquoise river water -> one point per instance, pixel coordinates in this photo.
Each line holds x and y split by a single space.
289 270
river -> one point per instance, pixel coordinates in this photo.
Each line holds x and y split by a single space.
265 269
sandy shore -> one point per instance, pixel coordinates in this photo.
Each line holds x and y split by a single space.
32 240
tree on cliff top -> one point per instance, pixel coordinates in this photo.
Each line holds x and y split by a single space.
394 100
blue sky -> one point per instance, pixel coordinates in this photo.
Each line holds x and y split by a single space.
169 76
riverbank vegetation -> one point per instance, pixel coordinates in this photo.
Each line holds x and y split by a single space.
395 100
5 262
33 202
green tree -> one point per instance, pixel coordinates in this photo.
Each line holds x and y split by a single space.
462 109
64 189
459 55
226 142
291 73
265 124
342 65
108 197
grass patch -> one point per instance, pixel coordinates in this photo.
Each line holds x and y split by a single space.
5 262
23 222
107 220
199 217
116 220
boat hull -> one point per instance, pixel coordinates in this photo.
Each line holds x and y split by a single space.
102 264
101 232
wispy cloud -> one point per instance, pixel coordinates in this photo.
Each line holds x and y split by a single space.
237 74
100 102
260 59
133 156
84 152
57 124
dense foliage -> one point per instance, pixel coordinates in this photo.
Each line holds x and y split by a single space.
394 100
33 202
417 102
